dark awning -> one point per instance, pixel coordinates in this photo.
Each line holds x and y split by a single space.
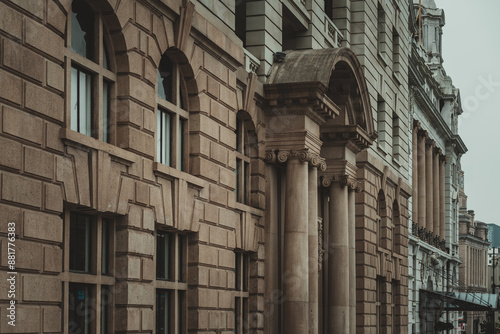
459 301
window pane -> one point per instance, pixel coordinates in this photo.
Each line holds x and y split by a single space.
74 99
180 148
105 112
180 256
165 79
238 181
105 58
163 256
237 284
164 140
180 312
246 180
158 136
85 106
79 308
82 29
105 247
237 314
162 311
79 251
105 307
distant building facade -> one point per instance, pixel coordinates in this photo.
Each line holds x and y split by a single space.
169 170
473 270
436 148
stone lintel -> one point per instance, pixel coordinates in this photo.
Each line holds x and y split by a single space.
352 137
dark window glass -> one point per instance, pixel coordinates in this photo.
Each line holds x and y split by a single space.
79 243
105 112
105 247
162 311
163 255
166 79
105 307
82 29
164 137
79 309
182 129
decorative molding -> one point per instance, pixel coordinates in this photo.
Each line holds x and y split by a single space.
342 180
321 249
183 24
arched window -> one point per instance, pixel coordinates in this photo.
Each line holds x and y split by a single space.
92 77
396 226
172 115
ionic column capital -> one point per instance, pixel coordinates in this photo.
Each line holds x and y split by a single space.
417 125
430 142
423 133
282 156
343 180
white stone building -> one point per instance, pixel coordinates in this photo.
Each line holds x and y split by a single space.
436 151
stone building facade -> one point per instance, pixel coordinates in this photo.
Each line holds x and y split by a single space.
436 150
473 271
168 170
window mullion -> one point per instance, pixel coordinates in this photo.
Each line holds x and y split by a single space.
98 300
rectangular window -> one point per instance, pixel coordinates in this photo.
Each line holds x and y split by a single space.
80 234
180 144
240 15
241 293
105 243
163 311
81 101
106 303
395 136
395 51
80 308
164 244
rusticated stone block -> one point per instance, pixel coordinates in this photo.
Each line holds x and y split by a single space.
43 226
218 236
201 123
226 258
135 242
148 269
38 162
11 22
23 60
52 259
44 102
227 137
218 194
55 76
35 8
218 153
207 255
228 97
27 319
11 153
21 189
207 169
51 319
135 293
53 197
21 124
41 289
227 177
44 40
142 192
147 319
28 254
10 88
10 214
56 17
130 267
130 319
218 278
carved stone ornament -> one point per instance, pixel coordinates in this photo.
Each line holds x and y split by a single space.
343 180
321 249
282 156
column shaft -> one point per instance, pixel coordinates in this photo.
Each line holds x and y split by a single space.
428 188
435 188
442 190
421 182
313 250
414 174
295 277
338 261
352 260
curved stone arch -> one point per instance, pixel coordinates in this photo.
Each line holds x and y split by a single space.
331 68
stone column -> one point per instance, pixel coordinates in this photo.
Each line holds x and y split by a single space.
428 187
435 188
338 260
442 162
313 244
352 258
296 246
421 179
414 173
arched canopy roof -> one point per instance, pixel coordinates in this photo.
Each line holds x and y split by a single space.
340 72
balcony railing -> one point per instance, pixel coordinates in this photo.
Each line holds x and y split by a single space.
428 237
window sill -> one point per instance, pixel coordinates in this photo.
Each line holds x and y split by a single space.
247 208
172 172
78 139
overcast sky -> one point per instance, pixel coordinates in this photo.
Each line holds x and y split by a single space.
471 52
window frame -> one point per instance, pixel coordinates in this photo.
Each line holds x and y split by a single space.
177 108
243 163
241 292
177 287
100 77
93 280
